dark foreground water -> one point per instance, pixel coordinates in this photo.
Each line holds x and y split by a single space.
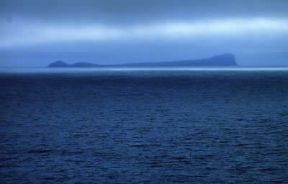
144 127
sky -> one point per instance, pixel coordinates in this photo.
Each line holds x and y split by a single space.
38 32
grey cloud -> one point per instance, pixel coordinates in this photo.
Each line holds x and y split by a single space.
135 11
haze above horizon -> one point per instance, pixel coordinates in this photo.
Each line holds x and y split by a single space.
36 33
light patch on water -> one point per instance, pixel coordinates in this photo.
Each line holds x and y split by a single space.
136 69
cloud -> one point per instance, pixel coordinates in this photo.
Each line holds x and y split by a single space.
17 35
127 11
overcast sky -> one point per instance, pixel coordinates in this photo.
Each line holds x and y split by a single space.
37 32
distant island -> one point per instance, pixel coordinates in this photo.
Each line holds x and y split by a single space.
224 60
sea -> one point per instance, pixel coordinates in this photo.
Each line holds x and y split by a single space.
144 126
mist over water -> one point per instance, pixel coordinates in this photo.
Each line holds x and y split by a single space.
144 126
118 70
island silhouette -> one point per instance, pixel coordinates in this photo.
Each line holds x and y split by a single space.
223 60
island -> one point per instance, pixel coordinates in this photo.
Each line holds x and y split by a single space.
223 60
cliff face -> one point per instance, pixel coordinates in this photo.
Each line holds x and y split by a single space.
224 59
215 61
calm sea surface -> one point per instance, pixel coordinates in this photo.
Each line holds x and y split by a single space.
144 126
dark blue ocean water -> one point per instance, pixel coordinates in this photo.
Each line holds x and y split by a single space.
144 127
